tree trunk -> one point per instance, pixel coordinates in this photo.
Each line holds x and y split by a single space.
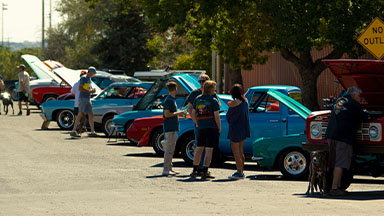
309 91
235 76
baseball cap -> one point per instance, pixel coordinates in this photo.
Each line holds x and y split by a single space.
83 72
21 66
92 69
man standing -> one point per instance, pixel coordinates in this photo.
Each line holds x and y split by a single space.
23 91
205 115
345 119
171 127
85 105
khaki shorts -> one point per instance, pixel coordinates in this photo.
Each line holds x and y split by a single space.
340 154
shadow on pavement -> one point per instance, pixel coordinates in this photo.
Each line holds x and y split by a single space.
48 129
359 196
120 144
147 154
272 178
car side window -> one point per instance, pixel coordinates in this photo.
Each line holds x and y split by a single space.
254 99
137 92
268 104
117 92
105 83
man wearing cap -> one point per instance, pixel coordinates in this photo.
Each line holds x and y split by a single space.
23 90
85 105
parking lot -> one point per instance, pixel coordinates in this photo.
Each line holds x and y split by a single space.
45 172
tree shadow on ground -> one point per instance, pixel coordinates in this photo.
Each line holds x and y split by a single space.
356 195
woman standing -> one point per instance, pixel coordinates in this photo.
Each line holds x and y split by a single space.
239 130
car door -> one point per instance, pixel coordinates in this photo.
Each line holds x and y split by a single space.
113 99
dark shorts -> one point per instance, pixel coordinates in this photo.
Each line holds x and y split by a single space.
22 97
76 111
340 154
208 137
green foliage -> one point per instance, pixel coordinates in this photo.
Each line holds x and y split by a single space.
9 60
199 60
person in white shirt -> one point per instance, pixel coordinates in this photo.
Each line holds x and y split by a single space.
23 91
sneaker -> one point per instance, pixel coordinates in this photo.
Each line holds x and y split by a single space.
20 113
237 175
28 112
74 134
175 172
92 134
168 173
337 192
207 175
194 174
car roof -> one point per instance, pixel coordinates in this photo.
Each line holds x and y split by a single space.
288 88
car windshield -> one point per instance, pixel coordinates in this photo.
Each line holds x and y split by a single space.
151 94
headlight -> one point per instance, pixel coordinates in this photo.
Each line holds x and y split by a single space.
315 129
373 132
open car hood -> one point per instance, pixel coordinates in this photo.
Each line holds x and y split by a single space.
297 107
368 75
41 70
70 77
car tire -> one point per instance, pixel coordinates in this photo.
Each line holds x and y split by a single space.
106 125
156 138
294 163
49 98
187 149
65 119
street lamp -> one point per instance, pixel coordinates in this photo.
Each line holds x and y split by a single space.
3 8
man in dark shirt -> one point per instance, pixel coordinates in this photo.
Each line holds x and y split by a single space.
205 115
343 124
170 127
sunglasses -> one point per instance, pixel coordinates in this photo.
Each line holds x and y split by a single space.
202 81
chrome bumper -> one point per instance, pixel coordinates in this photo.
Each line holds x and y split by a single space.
257 158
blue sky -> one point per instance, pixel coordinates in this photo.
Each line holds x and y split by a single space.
23 19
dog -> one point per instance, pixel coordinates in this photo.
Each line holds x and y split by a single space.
7 100
318 169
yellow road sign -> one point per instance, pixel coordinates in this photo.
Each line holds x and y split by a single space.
372 39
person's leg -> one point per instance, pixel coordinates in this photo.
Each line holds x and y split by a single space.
337 174
208 157
197 158
236 155
78 117
27 104
170 138
241 153
91 122
19 102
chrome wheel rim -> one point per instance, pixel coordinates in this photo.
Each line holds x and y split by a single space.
107 126
159 139
190 149
295 163
66 119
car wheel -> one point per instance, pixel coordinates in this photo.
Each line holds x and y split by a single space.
188 149
294 163
156 139
49 98
14 94
106 125
65 119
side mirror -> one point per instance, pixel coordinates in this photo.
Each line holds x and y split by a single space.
260 109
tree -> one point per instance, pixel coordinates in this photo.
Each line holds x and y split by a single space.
11 59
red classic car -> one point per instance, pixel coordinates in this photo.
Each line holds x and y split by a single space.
368 75
148 132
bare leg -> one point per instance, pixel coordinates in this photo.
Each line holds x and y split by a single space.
236 154
20 105
337 173
91 123
78 117
241 150
197 157
208 157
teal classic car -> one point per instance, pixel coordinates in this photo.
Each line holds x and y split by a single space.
270 115
116 99
285 152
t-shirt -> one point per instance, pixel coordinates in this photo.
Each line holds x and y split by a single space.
170 123
75 90
192 96
23 77
86 82
205 106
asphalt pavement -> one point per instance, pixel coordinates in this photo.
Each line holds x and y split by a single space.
45 172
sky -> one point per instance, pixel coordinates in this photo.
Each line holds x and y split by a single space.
23 19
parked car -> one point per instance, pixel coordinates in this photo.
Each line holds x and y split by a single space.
269 117
151 103
368 76
116 99
104 79
149 131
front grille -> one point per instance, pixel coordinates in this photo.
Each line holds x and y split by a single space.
362 132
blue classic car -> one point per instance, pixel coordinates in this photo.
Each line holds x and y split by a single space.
151 104
269 117
116 99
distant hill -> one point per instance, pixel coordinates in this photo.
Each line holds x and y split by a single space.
26 44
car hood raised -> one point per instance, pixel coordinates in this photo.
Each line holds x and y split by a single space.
41 70
297 107
70 77
368 75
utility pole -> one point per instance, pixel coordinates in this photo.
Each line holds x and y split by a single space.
50 14
3 8
42 36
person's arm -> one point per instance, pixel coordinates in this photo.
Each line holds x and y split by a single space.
189 109
169 114
215 96
194 118
217 120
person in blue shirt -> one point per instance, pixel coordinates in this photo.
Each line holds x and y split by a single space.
170 127
85 105
239 129
205 115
